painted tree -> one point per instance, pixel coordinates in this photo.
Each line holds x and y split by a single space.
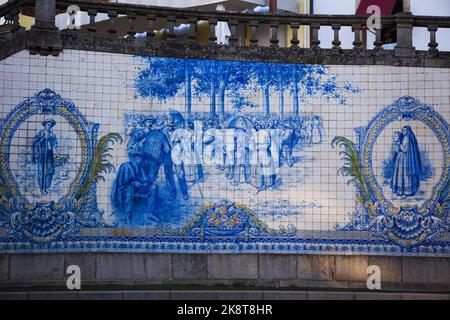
312 80
264 76
219 79
162 79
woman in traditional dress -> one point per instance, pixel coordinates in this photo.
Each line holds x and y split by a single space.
262 172
407 165
44 146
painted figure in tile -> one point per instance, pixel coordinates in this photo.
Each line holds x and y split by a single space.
276 139
135 194
238 168
316 130
182 141
44 147
407 164
262 173
197 128
214 149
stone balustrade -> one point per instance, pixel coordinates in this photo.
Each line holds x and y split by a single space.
118 33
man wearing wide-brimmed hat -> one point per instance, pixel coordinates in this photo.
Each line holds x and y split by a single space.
44 146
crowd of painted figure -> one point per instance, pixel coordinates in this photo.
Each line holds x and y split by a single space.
247 150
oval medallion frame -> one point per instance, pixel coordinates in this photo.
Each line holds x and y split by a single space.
408 224
41 221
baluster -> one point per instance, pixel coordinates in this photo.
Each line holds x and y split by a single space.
253 29
13 19
274 31
433 43
357 44
151 27
315 42
378 41
233 29
336 42
131 24
92 14
212 30
112 15
294 40
171 35
192 37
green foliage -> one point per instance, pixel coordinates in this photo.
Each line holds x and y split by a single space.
100 162
352 164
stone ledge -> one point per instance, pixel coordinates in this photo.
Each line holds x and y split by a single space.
218 295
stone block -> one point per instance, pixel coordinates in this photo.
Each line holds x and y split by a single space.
377 296
189 266
146 295
100 295
351 268
426 271
159 266
13 296
35 268
285 295
304 267
231 266
322 267
119 266
273 266
422 296
330 295
4 267
390 268
52 295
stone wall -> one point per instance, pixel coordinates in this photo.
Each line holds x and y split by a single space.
243 270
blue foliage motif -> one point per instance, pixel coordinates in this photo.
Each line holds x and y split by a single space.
166 78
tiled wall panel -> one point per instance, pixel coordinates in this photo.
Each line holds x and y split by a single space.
109 152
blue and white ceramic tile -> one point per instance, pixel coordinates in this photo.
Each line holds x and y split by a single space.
108 152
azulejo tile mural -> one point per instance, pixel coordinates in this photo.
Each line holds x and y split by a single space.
161 155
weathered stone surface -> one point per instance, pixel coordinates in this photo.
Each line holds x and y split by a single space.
13 296
272 266
49 295
330 295
304 267
426 271
159 266
100 295
322 267
193 295
189 266
377 296
146 295
86 262
422 296
351 268
227 266
118 266
285 295
36 268
4 267
390 267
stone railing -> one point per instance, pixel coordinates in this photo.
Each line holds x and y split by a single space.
124 21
